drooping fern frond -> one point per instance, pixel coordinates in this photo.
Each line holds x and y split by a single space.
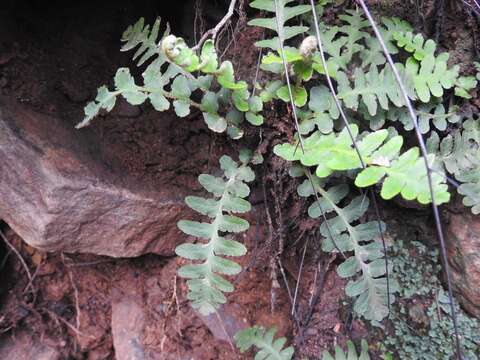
350 354
206 285
173 65
269 349
403 174
367 265
141 34
470 189
432 113
282 13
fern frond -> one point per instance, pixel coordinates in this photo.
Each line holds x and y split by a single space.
353 30
460 150
370 288
323 112
206 286
269 349
403 174
391 26
141 34
182 61
282 13
433 113
350 354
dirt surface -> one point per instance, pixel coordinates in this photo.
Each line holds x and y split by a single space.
52 58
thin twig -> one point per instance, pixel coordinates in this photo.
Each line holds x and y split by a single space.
299 276
20 258
214 32
70 326
75 292
424 152
229 339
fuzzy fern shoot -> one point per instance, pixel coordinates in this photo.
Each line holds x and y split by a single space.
206 286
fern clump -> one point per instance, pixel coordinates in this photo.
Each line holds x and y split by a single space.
337 160
268 348
368 152
206 286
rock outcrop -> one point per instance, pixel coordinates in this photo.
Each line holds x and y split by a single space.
58 193
463 247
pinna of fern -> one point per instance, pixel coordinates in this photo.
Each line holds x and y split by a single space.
206 285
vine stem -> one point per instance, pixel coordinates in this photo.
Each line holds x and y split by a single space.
347 125
423 150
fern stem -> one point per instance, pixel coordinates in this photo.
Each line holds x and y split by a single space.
216 225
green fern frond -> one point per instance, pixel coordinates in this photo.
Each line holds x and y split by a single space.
182 61
391 26
463 86
141 34
269 349
403 174
433 113
367 263
353 30
350 354
460 150
282 13
323 112
206 286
